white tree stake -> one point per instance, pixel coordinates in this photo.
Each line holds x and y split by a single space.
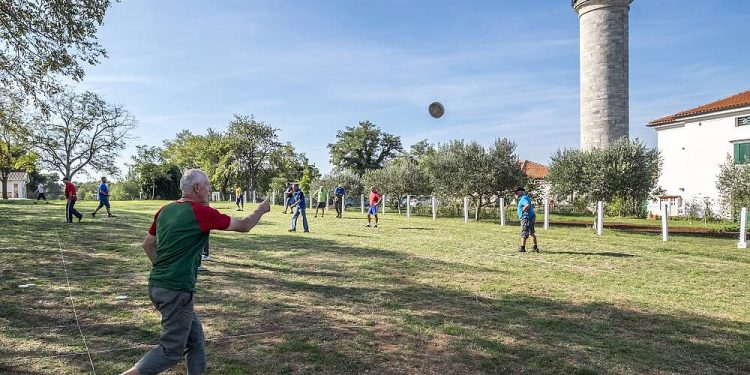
434 208
502 212
408 206
743 229
664 216
599 218
466 209
546 213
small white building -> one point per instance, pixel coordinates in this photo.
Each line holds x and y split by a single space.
17 184
693 144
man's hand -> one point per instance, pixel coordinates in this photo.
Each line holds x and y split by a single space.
244 225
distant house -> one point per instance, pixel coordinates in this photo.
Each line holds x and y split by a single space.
537 175
694 143
17 184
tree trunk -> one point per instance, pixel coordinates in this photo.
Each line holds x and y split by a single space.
5 186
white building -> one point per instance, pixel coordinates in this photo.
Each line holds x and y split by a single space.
694 143
17 184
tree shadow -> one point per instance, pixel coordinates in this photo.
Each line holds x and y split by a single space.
604 253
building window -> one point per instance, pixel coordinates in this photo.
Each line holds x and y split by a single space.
742 121
741 152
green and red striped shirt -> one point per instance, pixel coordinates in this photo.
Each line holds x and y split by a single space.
181 229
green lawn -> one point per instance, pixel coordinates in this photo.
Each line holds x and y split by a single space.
413 296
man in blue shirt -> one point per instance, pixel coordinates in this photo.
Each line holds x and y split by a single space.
103 198
299 201
339 193
527 216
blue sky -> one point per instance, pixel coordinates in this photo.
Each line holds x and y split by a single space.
501 68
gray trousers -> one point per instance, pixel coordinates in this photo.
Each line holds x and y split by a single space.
181 334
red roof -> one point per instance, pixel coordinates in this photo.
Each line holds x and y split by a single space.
533 170
735 101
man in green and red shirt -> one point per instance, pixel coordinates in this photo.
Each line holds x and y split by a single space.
71 198
174 244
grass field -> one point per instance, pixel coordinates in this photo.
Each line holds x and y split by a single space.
413 296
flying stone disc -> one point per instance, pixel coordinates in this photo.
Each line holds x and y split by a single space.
436 110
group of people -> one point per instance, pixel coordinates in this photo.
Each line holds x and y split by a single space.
176 243
71 197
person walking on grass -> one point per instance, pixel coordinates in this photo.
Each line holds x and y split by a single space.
299 202
288 199
240 200
322 199
174 242
71 198
527 216
338 202
40 194
103 198
375 198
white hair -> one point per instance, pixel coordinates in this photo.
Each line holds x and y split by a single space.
192 177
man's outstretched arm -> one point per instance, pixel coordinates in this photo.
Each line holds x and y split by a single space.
244 225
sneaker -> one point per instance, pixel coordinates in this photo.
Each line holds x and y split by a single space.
536 249
307 231
238 209
368 225
376 225
202 269
205 257
93 214
521 250
111 215
315 216
79 219
292 230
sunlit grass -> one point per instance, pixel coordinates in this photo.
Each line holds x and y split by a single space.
413 296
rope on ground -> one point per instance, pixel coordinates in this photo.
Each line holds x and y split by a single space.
70 295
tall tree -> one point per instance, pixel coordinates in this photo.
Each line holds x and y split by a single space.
80 132
43 39
252 144
363 147
14 147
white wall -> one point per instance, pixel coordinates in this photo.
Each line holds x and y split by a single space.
694 148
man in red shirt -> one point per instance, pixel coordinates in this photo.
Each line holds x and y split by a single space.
70 196
374 201
174 243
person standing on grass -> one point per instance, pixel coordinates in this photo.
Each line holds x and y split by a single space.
288 200
322 199
103 198
299 202
240 201
527 216
338 202
40 194
375 198
71 198
174 242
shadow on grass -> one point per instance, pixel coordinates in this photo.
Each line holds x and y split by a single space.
280 304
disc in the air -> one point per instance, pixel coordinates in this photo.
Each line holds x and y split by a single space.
436 110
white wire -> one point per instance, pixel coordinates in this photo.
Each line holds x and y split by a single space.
70 295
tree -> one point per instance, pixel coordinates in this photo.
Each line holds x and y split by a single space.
252 144
81 132
462 169
363 147
14 150
157 178
398 178
40 40
733 183
622 175
348 179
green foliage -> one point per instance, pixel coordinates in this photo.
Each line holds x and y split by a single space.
398 178
43 40
125 190
14 146
733 183
349 180
460 169
623 175
81 132
305 181
157 179
53 188
252 143
363 147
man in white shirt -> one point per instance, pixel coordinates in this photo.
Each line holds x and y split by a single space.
40 193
